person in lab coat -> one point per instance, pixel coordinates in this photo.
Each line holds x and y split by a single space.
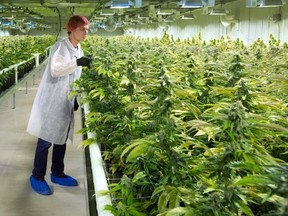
52 119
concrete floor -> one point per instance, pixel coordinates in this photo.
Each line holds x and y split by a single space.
17 149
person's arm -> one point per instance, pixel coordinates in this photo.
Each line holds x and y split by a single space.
61 63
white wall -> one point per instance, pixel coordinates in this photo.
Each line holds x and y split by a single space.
253 23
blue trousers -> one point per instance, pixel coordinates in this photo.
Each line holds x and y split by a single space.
40 159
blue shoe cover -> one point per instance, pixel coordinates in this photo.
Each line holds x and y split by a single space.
40 186
64 180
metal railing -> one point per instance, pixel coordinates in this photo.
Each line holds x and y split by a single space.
13 87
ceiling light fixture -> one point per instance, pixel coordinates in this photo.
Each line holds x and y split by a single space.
191 3
164 12
116 4
270 3
264 3
218 12
196 3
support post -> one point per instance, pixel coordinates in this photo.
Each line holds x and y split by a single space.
16 74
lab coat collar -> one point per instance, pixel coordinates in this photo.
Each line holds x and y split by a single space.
70 45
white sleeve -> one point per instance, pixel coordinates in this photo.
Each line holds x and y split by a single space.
61 63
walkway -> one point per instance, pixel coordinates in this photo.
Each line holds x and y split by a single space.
17 149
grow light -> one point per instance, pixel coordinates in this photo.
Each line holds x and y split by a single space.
121 4
270 3
164 12
196 3
191 3
264 3
218 12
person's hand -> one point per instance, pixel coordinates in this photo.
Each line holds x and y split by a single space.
85 61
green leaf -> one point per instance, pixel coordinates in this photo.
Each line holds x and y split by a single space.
143 141
254 180
87 142
178 211
134 212
273 127
138 176
72 94
244 207
136 152
158 190
163 201
174 198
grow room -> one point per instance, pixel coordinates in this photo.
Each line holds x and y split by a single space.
182 107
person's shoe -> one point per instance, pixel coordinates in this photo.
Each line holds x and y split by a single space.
64 180
40 186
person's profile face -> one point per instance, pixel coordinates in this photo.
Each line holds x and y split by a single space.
81 32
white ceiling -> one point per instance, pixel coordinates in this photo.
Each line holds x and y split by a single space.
50 11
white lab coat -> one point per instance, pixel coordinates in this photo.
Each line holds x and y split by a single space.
52 116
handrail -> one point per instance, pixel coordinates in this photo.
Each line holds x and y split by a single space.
11 67
98 173
15 66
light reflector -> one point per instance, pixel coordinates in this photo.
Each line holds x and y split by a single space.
218 12
191 3
164 12
264 3
121 4
270 3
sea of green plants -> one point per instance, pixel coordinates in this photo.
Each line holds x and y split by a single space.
16 49
186 127
190 127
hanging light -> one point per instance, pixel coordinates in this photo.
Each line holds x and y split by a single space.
191 3
264 3
270 3
116 4
164 12
218 12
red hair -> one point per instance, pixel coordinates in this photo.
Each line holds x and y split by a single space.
75 22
